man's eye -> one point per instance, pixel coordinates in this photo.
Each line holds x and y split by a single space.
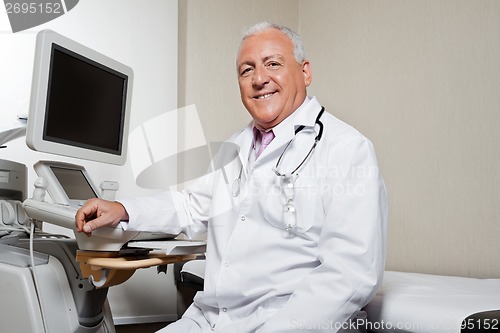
273 64
246 71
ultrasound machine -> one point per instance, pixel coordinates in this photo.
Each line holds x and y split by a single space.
42 285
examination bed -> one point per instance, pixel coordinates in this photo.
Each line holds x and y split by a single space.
406 302
412 302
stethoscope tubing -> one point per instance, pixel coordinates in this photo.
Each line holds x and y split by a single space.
316 140
235 188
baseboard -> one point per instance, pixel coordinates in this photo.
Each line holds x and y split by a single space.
123 320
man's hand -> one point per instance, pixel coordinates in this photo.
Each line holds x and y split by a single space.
97 213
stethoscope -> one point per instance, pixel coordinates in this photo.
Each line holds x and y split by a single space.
297 131
288 179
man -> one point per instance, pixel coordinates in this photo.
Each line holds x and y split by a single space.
296 232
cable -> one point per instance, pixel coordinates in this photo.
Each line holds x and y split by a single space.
35 277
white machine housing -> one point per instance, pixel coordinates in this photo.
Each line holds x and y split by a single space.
62 211
68 301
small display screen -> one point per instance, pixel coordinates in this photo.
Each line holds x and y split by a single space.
4 176
74 183
85 103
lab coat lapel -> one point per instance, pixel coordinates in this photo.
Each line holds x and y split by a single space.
284 132
244 141
305 115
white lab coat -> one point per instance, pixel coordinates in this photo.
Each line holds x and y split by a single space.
259 277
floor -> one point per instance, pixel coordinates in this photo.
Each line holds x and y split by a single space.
139 328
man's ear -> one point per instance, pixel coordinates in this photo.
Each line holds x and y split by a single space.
306 71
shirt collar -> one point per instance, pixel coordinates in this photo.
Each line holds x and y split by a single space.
305 115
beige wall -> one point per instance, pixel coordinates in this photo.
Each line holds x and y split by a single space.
421 79
209 34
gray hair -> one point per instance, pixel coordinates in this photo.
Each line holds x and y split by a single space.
298 46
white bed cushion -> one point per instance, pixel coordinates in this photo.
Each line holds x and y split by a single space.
411 302
194 267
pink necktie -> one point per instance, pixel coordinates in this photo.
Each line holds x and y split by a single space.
265 140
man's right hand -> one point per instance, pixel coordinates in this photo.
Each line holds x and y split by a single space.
97 213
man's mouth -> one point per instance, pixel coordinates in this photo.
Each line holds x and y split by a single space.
264 96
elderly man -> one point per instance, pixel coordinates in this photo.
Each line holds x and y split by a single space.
295 222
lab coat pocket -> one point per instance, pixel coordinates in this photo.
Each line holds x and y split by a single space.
305 201
298 213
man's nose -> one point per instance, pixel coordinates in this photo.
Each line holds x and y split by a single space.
260 77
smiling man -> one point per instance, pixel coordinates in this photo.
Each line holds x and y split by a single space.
296 231
272 80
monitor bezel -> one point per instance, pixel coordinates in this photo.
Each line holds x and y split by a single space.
55 189
39 92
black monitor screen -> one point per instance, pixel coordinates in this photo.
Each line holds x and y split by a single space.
74 183
85 103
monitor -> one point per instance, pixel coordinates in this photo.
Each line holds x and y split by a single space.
80 101
67 184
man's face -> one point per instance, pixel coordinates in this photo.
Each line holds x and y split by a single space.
272 83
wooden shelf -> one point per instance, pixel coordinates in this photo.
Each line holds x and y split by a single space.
106 269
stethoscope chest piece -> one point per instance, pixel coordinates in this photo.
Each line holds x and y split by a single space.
235 190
